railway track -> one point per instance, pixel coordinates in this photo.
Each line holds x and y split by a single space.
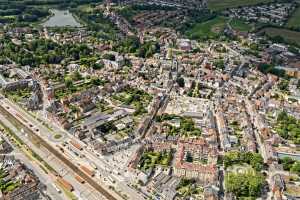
57 154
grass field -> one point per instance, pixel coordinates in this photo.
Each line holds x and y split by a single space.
240 25
289 36
294 20
208 29
224 4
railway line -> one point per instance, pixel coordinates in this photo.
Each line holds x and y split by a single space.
13 119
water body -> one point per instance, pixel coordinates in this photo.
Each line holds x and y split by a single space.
61 18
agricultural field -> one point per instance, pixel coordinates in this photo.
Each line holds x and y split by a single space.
294 21
208 29
288 35
217 5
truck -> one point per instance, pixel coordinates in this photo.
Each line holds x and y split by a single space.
87 171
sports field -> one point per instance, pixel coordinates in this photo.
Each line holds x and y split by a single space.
239 25
208 29
224 4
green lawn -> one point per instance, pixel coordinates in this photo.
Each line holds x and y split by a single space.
239 25
224 4
208 29
294 20
288 35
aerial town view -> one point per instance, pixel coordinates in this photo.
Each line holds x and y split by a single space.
149 99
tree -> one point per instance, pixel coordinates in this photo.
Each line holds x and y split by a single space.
97 81
296 167
68 82
287 163
187 124
180 82
219 64
247 184
75 76
109 57
256 161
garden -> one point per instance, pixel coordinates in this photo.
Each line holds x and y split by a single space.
150 159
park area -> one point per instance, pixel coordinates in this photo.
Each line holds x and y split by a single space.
217 5
213 28
239 25
208 30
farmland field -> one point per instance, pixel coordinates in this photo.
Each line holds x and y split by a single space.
224 4
294 20
208 29
288 35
